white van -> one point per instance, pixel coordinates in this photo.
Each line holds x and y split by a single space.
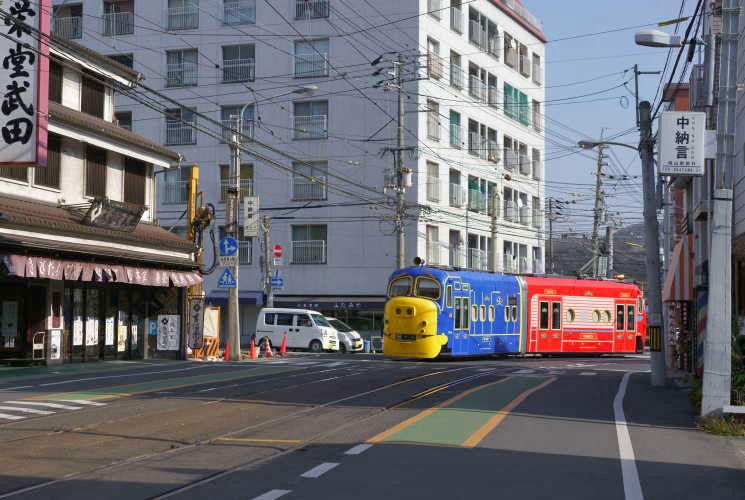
305 329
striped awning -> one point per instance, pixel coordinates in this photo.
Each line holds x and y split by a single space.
679 276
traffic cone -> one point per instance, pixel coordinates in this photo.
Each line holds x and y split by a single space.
227 351
283 347
252 350
268 352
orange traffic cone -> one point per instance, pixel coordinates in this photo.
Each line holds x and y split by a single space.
268 352
283 347
252 350
227 351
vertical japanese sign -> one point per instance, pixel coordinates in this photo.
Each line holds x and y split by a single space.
24 82
169 331
681 143
195 336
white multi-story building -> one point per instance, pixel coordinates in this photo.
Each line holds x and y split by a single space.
474 93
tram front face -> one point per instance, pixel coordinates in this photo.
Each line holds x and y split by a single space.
410 318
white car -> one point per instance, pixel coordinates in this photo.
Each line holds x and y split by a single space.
349 340
303 328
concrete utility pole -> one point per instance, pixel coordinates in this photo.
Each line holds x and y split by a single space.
598 208
717 382
652 247
399 161
493 256
550 236
267 263
231 229
609 238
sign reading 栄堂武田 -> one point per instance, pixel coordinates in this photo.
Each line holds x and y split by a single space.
681 143
23 95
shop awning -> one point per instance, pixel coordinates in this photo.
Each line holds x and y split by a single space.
27 266
679 276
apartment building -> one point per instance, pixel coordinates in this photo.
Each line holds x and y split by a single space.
301 71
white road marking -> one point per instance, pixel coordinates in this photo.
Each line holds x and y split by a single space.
327 379
82 402
123 375
556 372
50 405
208 389
356 450
484 369
10 417
588 373
632 488
336 363
15 388
272 495
522 372
319 470
27 410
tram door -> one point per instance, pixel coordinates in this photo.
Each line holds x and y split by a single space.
549 324
624 337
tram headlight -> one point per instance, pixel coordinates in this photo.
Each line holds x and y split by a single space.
410 311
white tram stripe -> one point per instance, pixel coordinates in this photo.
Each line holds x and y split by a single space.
632 488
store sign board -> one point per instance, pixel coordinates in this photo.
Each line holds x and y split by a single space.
681 137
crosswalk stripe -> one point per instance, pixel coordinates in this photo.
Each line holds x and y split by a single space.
50 405
27 410
82 402
10 417
522 372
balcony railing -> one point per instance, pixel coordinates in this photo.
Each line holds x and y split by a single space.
433 252
240 12
311 65
477 201
523 263
433 189
537 74
178 133
525 165
433 125
311 127
457 256
525 215
434 8
175 192
312 9
537 169
246 130
494 46
509 264
510 159
493 98
476 145
457 195
524 64
183 18
536 118
537 266
309 252
456 19
493 152
70 27
456 76
477 259
245 252
118 23
510 57
246 188
510 211
182 74
521 11
476 34
303 189
238 70
455 141
537 221
434 66
476 88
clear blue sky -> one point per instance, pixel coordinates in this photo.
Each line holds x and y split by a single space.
602 58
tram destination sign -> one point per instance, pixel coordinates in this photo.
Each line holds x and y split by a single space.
681 143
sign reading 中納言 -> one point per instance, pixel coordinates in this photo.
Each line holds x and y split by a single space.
681 143
23 94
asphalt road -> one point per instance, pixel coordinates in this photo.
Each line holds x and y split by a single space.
361 426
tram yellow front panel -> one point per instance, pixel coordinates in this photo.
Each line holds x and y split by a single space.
411 328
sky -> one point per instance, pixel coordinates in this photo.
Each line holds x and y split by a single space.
589 66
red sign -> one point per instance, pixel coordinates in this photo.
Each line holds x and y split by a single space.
278 250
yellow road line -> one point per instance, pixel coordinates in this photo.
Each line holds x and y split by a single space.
251 440
429 411
494 421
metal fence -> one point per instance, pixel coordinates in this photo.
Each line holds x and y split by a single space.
312 9
246 188
245 252
178 133
311 127
240 12
118 23
312 64
238 70
309 252
183 18
175 192
303 189
181 74
70 27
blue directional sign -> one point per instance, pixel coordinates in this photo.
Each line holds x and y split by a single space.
228 246
277 282
226 280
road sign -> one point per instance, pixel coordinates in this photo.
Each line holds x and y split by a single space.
227 260
195 335
681 143
278 250
277 282
251 216
228 246
226 280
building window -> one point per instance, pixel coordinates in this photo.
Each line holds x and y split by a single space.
123 59
433 120
118 18
49 176
135 176
456 70
311 120
246 181
309 181
124 119
456 16
537 73
55 82
433 245
183 14
312 58
536 115
309 244
433 182
455 140
434 8
93 96
239 12
67 21
15 173
178 132
510 52
434 62
176 186
95 171
238 63
181 67
229 120
312 9
524 61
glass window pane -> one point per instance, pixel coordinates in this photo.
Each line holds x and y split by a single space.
427 288
556 316
303 320
619 317
544 316
401 287
269 318
457 313
630 318
284 319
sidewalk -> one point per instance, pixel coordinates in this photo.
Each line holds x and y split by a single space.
8 372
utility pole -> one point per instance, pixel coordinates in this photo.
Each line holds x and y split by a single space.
493 256
550 235
609 238
598 208
231 229
267 263
652 247
399 162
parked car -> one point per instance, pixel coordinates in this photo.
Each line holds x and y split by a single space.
305 329
349 340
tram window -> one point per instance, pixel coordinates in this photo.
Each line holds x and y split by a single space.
465 319
607 315
449 296
514 313
457 313
556 315
544 316
619 318
400 287
596 316
427 288
630 318
570 315
483 313
506 313
491 313
474 312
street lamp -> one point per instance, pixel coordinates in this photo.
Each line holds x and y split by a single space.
590 144
656 38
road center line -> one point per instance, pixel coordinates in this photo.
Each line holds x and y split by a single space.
15 388
252 440
272 495
356 450
319 470
632 488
